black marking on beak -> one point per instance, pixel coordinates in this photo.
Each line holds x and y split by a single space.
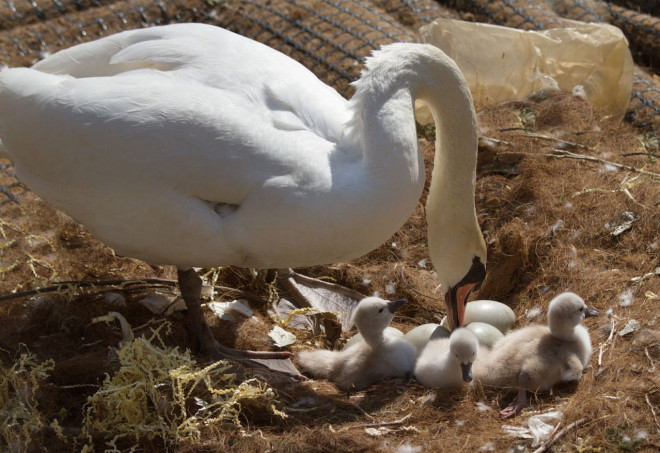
466 368
456 296
395 305
590 312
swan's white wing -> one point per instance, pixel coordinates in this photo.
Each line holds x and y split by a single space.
217 58
146 155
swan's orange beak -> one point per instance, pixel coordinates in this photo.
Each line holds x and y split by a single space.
456 297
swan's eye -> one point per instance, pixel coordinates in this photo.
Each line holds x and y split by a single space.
380 311
581 308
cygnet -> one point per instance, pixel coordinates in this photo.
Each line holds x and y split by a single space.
380 356
537 357
447 362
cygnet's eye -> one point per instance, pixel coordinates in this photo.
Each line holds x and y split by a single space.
581 308
380 311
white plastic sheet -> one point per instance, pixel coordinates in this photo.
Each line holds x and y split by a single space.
501 63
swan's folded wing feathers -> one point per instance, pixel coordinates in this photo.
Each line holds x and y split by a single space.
322 111
296 98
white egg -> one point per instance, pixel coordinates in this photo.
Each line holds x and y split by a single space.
421 335
485 333
358 336
490 312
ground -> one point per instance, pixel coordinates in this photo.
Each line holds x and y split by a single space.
567 200
549 193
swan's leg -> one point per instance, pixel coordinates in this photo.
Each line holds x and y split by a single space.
191 288
520 401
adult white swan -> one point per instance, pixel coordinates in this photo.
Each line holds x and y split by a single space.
193 146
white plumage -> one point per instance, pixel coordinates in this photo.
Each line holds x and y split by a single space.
447 362
538 357
380 355
190 145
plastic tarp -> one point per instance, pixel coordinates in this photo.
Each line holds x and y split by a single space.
500 63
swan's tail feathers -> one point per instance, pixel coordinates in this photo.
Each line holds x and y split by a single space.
318 363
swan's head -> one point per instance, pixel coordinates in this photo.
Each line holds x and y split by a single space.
566 311
373 314
464 346
459 259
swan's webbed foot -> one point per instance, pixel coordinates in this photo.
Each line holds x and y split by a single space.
267 361
520 401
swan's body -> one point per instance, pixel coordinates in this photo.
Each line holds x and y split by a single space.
190 145
536 357
379 356
447 362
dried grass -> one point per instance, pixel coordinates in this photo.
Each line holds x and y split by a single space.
20 416
544 219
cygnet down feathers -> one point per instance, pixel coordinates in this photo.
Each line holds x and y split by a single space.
380 356
537 357
447 362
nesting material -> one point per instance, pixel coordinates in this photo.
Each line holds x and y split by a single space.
22 420
161 393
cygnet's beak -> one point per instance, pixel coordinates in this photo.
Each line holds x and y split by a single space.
456 297
466 368
395 305
589 312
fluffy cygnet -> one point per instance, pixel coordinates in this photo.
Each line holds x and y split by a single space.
380 356
538 357
447 362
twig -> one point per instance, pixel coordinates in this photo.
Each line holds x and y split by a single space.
646 351
494 140
655 417
558 140
80 284
369 416
546 445
560 154
515 128
122 284
378 425
641 154
624 188
601 348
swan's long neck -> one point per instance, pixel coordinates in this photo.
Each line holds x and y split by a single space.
383 113
382 126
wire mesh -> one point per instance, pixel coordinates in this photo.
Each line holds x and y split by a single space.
330 37
643 33
525 15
